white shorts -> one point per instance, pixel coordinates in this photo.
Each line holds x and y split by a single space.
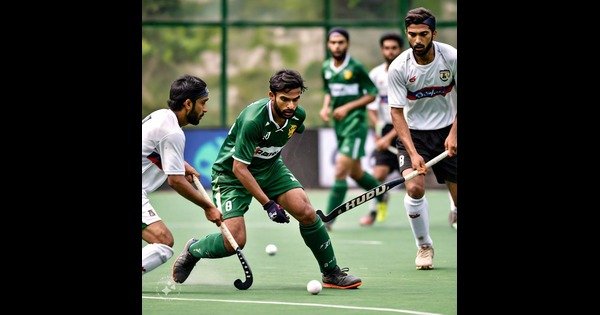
149 215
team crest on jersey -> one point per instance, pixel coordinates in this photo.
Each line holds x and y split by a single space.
291 131
444 75
327 74
266 137
347 74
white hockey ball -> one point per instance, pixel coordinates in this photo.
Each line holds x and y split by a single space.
314 287
271 249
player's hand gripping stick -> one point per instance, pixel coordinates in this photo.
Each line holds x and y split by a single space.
276 212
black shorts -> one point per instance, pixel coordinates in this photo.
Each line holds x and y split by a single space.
386 157
429 144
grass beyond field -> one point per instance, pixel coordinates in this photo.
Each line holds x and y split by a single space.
382 255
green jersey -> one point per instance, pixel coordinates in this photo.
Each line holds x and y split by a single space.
347 83
255 139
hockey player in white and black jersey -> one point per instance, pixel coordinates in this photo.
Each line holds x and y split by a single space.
163 144
422 96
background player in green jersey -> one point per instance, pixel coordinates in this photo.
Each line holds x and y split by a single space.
348 90
249 165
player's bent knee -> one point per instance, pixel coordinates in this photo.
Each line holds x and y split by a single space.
307 218
416 192
306 215
165 251
166 238
154 255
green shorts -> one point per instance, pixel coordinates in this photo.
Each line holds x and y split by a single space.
351 142
232 198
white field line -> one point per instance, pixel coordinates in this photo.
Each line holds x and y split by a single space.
377 309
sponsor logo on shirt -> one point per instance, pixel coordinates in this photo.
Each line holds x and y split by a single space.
267 152
337 89
430 92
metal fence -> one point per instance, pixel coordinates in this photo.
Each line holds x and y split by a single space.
236 45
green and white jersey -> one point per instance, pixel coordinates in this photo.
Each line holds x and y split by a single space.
346 83
256 140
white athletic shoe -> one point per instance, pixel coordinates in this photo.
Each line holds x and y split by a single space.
424 260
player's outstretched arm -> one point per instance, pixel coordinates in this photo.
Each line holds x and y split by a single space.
180 184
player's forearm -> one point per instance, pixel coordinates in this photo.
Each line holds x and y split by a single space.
454 128
390 135
180 184
451 142
326 102
361 102
402 131
249 182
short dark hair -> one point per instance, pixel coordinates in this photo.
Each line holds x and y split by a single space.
392 36
286 80
186 87
338 30
420 16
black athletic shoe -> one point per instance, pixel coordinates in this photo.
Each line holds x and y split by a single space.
339 279
185 263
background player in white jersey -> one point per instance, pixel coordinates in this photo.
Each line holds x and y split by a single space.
348 89
422 96
163 143
384 162
249 165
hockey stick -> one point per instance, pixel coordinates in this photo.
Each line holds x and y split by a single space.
238 283
381 189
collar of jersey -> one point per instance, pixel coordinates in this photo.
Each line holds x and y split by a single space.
273 120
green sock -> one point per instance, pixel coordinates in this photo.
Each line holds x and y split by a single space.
317 239
369 182
211 246
337 195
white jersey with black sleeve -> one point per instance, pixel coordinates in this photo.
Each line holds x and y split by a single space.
426 92
163 144
379 76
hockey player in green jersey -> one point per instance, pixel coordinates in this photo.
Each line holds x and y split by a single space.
248 165
348 90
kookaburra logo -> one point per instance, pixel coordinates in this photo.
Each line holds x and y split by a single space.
368 196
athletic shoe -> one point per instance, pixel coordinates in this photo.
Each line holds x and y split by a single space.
424 260
381 211
339 279
452 219
368 218
382 207
185 263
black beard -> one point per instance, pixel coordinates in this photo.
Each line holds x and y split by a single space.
281 114
424 51
340 58
192 117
